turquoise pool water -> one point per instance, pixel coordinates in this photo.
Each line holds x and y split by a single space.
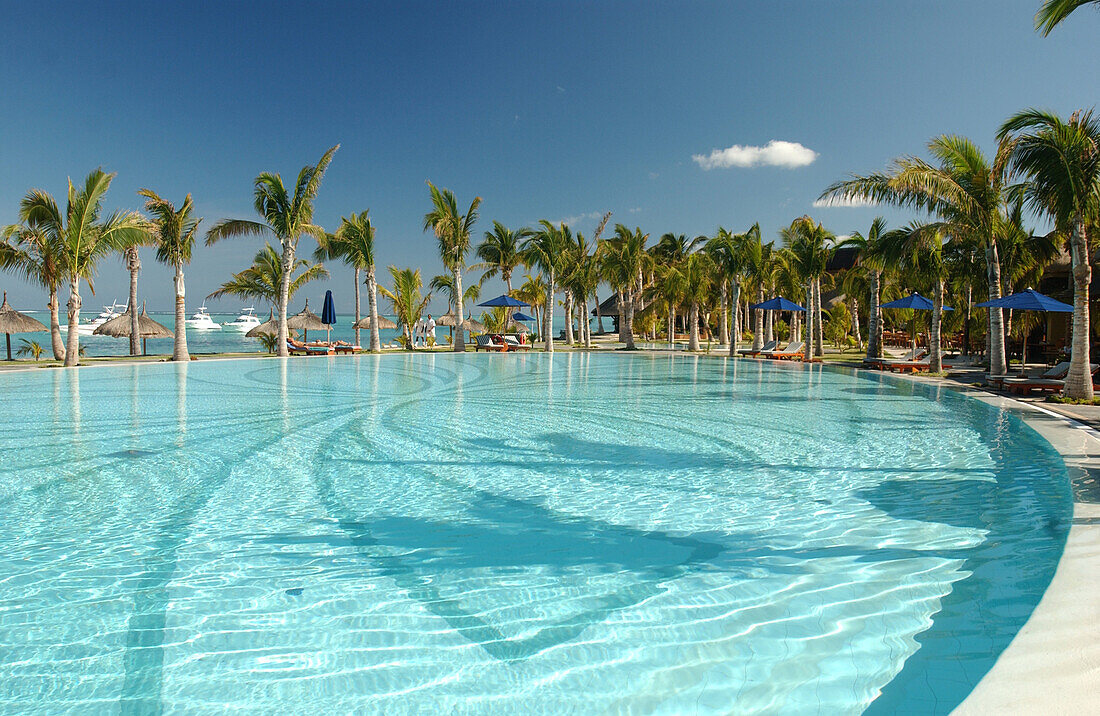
511 534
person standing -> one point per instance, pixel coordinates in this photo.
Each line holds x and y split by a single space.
429 331
418 330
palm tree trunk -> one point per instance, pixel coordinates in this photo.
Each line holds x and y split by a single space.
585 325
72 350
997 364
357 306
284 299
935 355
133 264
736 301
693 327
568 318
600 318
508 281
819 325
965 348
628 328
874 319
460 329
671 319
723 319
808 329
620 298
55 327
372 308
758 322
1079 379
179 346
855 322
769 326
548 317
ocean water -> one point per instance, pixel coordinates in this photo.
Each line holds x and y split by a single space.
511 534
223 340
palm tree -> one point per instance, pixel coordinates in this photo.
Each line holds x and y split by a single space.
452 229
30 348
623 260
36 255
263 280
544 249
698 282
1053 12
533 291
757 267
966 192
287 217
917 250
173 232
445 283
809 242
667 292
82 238
727 254
500 252
407 302
354 243
1062 162
868 258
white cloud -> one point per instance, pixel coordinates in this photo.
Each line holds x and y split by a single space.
833 202
635 209
570 220
775 153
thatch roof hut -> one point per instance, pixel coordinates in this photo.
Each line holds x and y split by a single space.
12 321
306 321
119 327
383 322
270 327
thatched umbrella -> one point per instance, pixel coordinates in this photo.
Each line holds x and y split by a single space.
12 321
270 327
119 327
306 321
447 319
383 322
473 326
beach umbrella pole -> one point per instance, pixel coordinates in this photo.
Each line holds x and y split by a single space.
7 339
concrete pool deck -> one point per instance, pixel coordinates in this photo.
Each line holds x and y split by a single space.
1052 666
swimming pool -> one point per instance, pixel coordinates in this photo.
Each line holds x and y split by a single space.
511 534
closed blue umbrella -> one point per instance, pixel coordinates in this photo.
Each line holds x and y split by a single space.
1027 300
328 313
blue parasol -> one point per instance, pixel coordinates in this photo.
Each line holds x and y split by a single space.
1028 300
503 302
915 301
520 316
777 304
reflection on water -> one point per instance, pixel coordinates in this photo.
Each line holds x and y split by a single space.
512 534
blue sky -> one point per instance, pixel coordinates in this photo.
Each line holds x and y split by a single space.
545 110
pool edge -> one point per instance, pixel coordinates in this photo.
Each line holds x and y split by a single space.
1052 665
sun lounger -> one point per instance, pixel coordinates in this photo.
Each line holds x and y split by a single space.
301 349
903 366
769 346
1043 384
914 356
1058 372
513 343
345 347
791 352
485 342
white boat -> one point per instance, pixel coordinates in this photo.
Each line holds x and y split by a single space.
246 321
86 328
202 320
